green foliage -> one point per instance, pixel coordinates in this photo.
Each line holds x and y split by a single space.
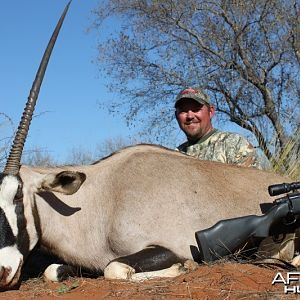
66 288
288 163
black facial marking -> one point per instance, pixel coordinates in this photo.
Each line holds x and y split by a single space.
22 237
19 194
150 259
7 237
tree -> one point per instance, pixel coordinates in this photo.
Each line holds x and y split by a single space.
38 157
112 145
82 156
245 54
34 157
6 132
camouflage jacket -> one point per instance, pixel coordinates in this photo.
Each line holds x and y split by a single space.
225 147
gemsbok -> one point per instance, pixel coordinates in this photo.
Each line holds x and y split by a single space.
130 215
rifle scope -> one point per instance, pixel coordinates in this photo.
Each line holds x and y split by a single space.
277 189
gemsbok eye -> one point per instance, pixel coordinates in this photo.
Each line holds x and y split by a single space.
19 194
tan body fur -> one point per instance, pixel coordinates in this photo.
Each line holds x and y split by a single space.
144 195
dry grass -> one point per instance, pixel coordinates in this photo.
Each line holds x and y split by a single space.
289 159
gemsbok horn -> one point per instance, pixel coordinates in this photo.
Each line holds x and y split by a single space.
13 162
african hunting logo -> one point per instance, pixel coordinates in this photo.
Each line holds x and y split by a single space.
289 282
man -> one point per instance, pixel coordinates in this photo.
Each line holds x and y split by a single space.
194 113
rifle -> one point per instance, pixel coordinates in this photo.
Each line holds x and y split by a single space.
231 235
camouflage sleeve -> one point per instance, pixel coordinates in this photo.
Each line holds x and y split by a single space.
182 147
241 152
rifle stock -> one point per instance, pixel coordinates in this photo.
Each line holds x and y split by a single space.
228 236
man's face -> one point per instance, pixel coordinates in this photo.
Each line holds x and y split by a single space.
194 118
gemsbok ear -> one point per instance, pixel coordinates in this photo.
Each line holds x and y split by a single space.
65 182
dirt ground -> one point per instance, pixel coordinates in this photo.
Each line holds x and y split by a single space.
218 281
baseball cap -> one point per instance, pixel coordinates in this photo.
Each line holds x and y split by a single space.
193 93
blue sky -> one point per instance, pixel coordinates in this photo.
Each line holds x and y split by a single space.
68 113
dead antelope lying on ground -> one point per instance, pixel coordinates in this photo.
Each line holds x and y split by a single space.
135 211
